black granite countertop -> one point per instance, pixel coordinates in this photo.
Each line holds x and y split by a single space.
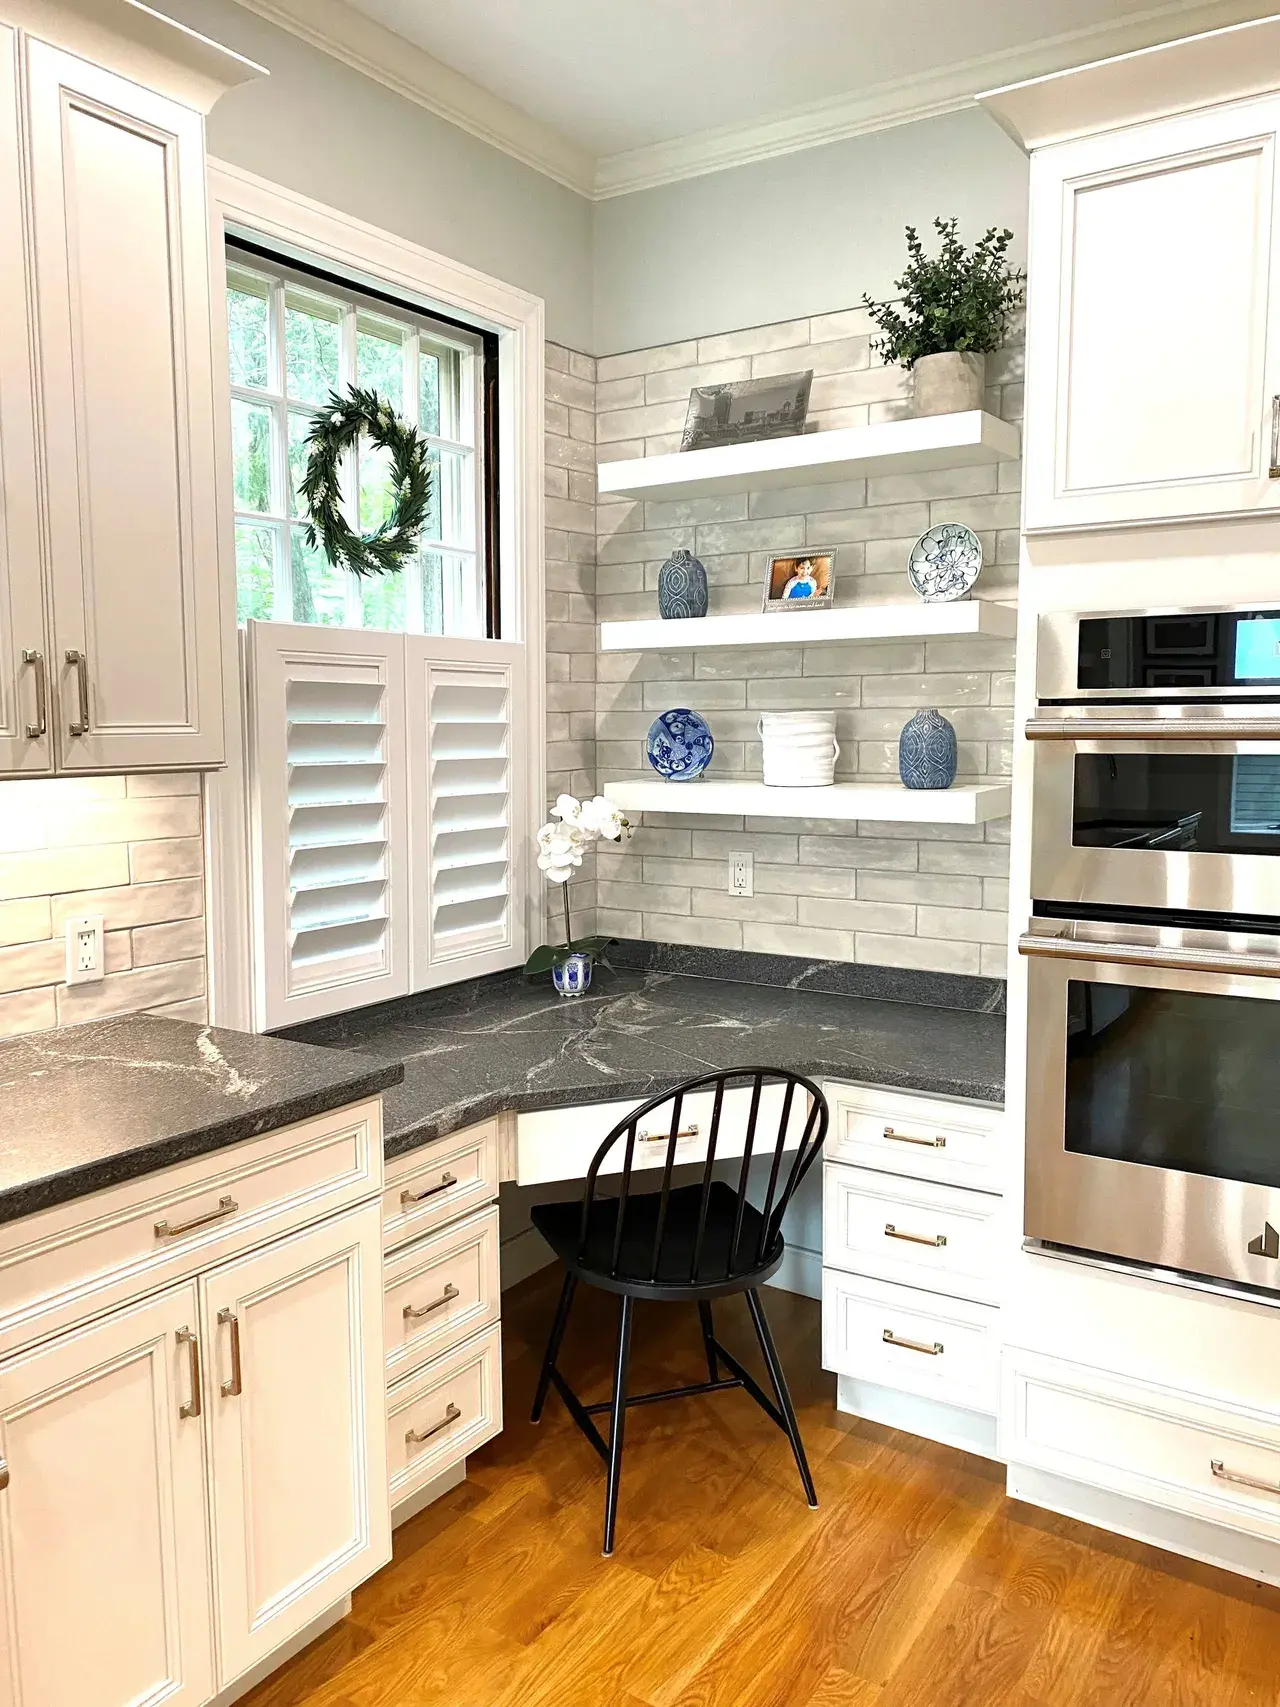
99 1103
475 1049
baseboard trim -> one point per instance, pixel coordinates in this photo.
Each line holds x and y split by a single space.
522 1255
284 1653
951 1425
435 1489
801 1272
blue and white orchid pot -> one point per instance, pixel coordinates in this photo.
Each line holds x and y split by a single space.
572 976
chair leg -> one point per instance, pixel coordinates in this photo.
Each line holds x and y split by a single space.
618 1419
708 1339
558 1325
770 1354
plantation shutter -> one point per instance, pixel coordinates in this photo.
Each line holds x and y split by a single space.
387 815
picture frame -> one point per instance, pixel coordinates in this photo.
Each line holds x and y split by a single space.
801 580
745 410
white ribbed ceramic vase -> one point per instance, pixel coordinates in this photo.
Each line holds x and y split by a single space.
800 748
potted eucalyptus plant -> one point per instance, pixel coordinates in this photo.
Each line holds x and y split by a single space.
955 308
561 846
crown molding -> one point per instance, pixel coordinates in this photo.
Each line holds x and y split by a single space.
399 65
338 30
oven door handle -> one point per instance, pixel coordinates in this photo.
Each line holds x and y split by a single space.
1144 954
1153 729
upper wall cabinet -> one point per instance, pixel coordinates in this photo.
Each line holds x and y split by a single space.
110 647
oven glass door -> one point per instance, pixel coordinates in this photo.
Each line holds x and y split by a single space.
1161 823
1153 1103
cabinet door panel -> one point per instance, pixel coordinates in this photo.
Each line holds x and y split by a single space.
300 1501
22 624
1149 374
117 177
103 1538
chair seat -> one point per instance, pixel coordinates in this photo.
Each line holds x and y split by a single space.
561 1226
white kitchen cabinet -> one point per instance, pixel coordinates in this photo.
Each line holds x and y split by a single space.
298 1470
103 1542
1153 337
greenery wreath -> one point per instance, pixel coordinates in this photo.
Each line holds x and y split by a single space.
336 426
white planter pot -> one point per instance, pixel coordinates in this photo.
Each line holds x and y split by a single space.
800 748
948 383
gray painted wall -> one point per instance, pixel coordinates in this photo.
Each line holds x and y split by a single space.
799 235
338 136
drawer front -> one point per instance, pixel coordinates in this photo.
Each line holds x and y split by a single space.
940 1348
439 1291
439 1182
66 1263
559 1144
933 1236
1170 1448
443 1412
929 1138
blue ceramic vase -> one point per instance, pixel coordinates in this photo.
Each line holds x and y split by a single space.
927 752
682 586
572 977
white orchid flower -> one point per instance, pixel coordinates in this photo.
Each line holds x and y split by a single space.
568 808
561 850
600 817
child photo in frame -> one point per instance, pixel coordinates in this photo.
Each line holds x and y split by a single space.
803 580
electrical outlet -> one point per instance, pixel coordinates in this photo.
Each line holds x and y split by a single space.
742 879
85 949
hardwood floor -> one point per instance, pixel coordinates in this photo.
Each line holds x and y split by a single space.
915 1582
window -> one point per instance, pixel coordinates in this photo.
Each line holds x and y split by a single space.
293 339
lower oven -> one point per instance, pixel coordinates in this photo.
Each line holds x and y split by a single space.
1153 1094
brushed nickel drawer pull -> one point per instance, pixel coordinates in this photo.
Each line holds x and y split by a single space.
937 1240
1220 1470
446 1297
451 1415
407 1197
938 1143
41 725
80 725
184 1336
4 1475
934 1350
663 1137
226 1206
232 1389
1275 438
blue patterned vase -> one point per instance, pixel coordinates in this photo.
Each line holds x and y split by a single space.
682 586
573 976
927 751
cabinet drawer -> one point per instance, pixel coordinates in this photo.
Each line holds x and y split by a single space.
931 1138
442 1180
439 1291
941 1348
935 1236
1152 1443
67 1263
443 1412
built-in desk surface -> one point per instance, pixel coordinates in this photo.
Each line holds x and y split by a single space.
471 1051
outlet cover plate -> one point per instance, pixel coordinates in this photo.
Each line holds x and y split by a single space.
742 877
86 954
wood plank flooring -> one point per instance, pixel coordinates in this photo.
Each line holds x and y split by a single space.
917 1582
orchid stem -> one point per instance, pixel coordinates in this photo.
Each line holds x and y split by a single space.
568 929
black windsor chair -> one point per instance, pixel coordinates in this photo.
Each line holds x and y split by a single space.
693 1242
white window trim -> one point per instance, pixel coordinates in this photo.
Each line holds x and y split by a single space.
294 224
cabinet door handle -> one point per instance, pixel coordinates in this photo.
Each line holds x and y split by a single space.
4 1474
80 725
446 1297
1275 438
408 1197
175 1230
934 1350
184 1336
415 1438
938 1143
934 1241
41 725
1220 1470
664 1137
233 1388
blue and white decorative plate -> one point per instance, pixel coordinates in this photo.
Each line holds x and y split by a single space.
679 745
945 562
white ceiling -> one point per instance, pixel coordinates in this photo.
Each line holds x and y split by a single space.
614 95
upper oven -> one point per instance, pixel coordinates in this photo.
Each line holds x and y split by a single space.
1157 761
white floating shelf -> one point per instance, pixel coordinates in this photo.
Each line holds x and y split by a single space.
845 453
887 802
812 628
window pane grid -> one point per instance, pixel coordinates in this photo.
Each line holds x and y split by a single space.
314 343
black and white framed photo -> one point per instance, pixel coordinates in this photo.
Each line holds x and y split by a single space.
803 580
747 409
